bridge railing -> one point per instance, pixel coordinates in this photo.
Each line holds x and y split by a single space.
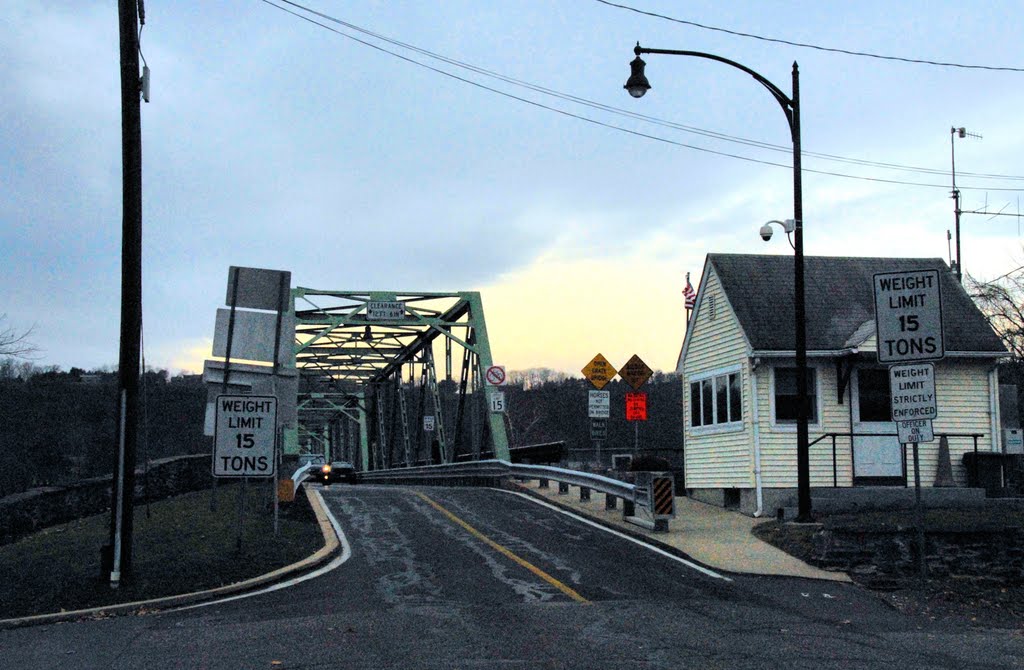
493 472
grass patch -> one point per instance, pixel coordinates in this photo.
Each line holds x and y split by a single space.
180 545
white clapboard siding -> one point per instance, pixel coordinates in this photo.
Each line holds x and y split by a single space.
962 389
716 459
778 442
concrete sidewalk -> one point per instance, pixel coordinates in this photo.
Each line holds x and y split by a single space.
714 536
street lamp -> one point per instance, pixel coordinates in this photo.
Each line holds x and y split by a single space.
637 85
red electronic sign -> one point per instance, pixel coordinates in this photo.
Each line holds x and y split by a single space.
636 407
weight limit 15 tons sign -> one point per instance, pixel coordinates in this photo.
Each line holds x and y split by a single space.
245 436
908 316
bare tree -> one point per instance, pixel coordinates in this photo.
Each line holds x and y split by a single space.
1002 303
14 343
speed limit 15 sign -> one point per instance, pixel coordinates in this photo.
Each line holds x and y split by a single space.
908 316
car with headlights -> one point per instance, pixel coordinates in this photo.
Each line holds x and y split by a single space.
335 471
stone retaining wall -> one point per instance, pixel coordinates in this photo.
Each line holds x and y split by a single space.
890 556
31 510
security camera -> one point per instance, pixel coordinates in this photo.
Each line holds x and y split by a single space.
766 232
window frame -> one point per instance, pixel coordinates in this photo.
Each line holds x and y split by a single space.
813 388
712 379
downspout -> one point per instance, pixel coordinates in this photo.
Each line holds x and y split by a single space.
756 419
993 399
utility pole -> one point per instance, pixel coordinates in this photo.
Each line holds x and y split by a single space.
953 133
122 492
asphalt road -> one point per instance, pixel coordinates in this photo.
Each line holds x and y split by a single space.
471 578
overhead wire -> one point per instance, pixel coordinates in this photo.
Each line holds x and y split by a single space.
622 112
805 45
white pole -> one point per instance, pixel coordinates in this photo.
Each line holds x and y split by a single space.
115 573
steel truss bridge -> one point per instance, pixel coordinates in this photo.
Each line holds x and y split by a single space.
392 379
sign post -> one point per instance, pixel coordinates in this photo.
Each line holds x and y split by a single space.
908 316
636 373
908 329
912 389
245 442
245 436
599 404
599 372
497 400
495 375
636 411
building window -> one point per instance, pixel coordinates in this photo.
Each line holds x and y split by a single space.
716 400
786 395
873 396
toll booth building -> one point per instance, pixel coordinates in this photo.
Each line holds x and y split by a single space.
738 365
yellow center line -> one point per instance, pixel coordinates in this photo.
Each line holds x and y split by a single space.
567 590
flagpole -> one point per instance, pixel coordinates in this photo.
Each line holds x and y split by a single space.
687 299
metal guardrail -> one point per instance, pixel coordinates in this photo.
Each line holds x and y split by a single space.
599 483
496 468
302 474
489 471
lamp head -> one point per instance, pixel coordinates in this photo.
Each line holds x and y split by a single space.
637 83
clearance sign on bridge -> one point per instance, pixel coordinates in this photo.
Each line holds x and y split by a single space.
245 436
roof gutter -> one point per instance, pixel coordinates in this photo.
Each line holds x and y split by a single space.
836 353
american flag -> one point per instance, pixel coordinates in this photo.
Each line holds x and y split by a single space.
689 293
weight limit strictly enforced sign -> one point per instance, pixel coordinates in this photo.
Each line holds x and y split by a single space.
245 436
908 316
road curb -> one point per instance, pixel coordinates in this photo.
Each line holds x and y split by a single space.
331 546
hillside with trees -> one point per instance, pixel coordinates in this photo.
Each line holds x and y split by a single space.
57 427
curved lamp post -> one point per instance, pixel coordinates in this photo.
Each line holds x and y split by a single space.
637 85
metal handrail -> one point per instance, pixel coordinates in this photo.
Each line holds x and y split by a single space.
851 435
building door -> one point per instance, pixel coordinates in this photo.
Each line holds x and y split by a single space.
877 454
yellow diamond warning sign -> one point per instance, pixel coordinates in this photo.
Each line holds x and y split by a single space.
635 372
599 371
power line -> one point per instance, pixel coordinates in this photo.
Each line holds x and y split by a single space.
635 115
606 108
804 45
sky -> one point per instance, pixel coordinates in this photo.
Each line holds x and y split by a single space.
334 153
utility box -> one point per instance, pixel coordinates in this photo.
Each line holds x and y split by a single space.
987 470
1013 441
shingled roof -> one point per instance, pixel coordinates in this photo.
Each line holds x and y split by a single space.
839 297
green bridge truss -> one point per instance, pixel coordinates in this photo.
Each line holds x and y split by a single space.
388 379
